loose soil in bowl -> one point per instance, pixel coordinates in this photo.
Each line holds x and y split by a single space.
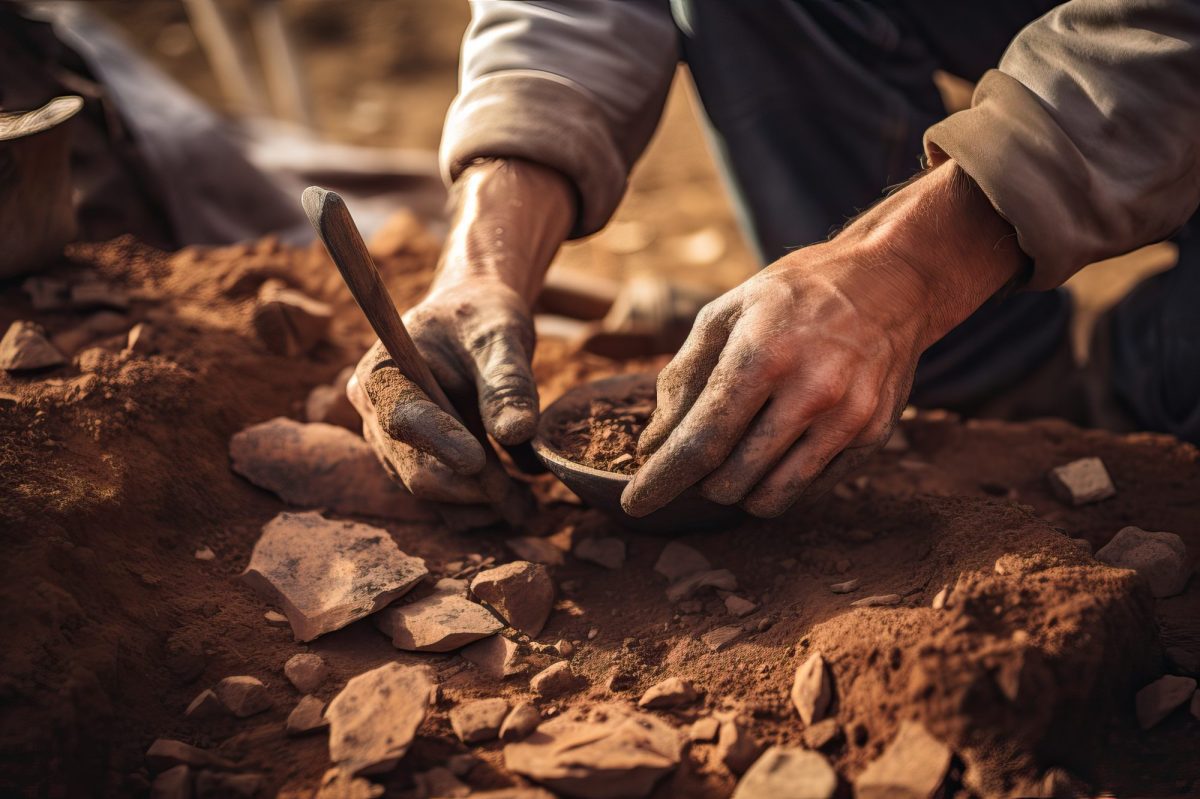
606 438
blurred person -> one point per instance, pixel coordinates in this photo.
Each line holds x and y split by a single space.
1080 145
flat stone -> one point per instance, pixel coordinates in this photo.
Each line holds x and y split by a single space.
913 766
555 680
306 671
205 553
737 606
877 601
704 730
329 404
823 734
520 722
215 785
1161 558
166 753
495 656
721 637
206 705
24 347
736 746
1160 698
1082 482
671 692
684 587
441 622
174 783
373 720
606 552
326 574
611 752
243 696
275 618
520 592
308 715
812 689
478 721
321 466
845 587
288 322
679 560
337 783
536 550
787 772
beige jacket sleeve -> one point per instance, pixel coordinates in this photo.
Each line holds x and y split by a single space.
576 85
1087 137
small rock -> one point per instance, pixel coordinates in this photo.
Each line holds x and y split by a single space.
306 716
166 753
721 637
555 680
441 622
736 747
704 730
1161 558
536 550
373 720
520 592
812 689
204 553
606 552
939 599
275 618
174 783
341 784
331 405
24 347
671 692
495 656
520 722
440 782
683 588
1081 482
846 587
293 566
206 705
288 322
140 339
478 721
912 767
738 606
243 696
592 633
1158 699
613 752
215 785
679 560
880 600
564 648
824 734
306 671
786 772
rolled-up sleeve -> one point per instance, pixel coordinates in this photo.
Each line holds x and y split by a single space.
576 85
1087 137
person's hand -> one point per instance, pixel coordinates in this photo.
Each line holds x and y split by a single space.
794 377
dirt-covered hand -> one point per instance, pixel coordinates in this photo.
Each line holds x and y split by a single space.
794 377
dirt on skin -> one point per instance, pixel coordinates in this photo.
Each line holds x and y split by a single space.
606 438
114 471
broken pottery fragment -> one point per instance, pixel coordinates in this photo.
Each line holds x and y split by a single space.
337 783
912 767
520 592
671 692
308 715
679 560
174 783
536 550
24 347
1082 482
165 753
288 322
736 746
555 680
206 705
326 574
812 689
320 466
1160 698
243 696
721 637
877 601
1160 558
612 752
441 622
520 722
373 720
787 772
606 552
684 587
495 656
478 721
306 671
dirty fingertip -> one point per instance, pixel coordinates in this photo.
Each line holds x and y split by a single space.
513 423
462 452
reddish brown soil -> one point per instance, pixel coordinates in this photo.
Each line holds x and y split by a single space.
607 437
114 470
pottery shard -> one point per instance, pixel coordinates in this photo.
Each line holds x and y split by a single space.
205 706
912 767
684 587
320 466
1081 482
243 696
441 622
308 715
812 689
338 783
25 347
330 404
736 746
373 720
536 550
671 692
495 656
721 637
613 752
606 552
520 722
679 560
785 772
1161 558
166 753
174 783
478 721
555 680
288 322
521 592
306 671
1160 698
326 574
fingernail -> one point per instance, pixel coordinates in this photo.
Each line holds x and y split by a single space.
513 424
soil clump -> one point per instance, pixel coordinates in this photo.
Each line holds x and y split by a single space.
606 438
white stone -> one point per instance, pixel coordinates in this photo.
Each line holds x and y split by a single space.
441 622
1082 482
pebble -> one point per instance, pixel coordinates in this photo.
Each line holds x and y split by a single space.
308 715
288 322
564 648
1160 698
275 618
243 696
24 347
174 783
611 752
738 606
704 730
1161 558
555 680
671 692
812 689
291 566
204 553
679 560
592 633
913 766
684 587
337 783
736 748
787 772
721 637
520 723
846 587
879 600
478 721
166 753
536 550
520 592
374 718
441 622
495 656
1082 482
306 671
824 733
940 598
606 552
206 705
